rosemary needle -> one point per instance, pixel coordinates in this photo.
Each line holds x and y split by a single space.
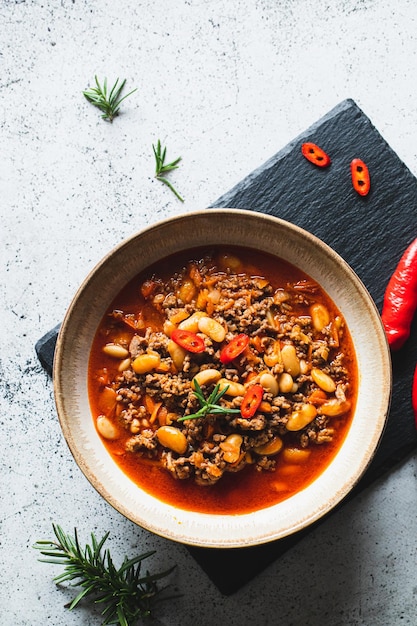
210 406
108 103
163 168
125 594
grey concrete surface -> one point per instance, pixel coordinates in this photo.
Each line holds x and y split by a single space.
225 84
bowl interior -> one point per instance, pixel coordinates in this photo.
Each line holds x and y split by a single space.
252 230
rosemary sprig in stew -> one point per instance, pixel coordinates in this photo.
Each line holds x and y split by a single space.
110 102
126 595
162 168
209 406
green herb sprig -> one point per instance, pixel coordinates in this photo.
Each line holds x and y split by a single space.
210 405
110 102
162 168
126 594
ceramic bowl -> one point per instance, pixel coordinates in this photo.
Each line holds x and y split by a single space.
233 227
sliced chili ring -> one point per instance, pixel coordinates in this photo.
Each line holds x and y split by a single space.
315 154
251 401
235 347
361 179
188 340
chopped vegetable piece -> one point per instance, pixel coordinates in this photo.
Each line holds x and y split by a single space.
188 340
400 299
251 401
315 154
234 348
361 179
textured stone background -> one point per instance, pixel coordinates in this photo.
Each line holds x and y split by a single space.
225 85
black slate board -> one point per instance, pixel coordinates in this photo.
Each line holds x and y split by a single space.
369 233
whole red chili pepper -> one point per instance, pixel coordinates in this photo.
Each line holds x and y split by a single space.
414 396
315 154
400 299
361 179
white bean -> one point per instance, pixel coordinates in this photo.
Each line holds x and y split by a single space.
334 407
271 447
172 438
231 447
295 455
212 328
191 323
323 380
177 354
124 365
145 363
206 377
290 360
115 350
286 383
320 316
299 419
233 389
106 428
269 383
169 327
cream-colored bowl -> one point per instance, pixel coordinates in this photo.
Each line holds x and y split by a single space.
254 230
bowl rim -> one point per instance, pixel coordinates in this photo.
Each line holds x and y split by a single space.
180 532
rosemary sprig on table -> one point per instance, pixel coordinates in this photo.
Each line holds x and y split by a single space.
110 102
210 405
126 594
162 168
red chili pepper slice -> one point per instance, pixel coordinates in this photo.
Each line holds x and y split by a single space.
400 299
361 179
234 348
251 401
315 154
188 340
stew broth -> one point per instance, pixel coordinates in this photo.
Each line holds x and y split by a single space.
230 465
